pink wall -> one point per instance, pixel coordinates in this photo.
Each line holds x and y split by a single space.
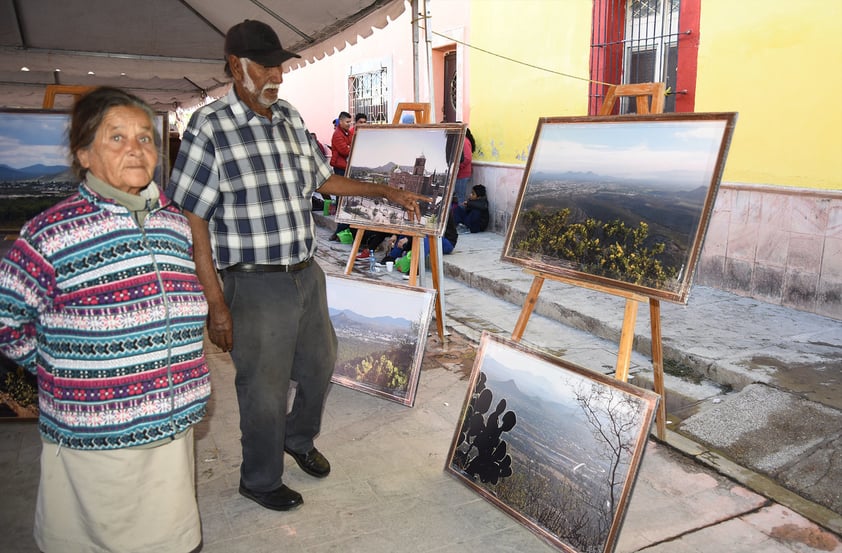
319 90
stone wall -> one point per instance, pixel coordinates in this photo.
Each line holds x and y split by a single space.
776 244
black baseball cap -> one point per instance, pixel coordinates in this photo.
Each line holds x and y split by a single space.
258 42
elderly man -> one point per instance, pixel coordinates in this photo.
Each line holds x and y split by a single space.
244 176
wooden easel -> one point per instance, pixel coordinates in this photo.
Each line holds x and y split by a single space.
421 111
422 115
641 92
53 90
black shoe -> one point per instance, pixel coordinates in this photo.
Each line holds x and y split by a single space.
313 463
333 238
280 499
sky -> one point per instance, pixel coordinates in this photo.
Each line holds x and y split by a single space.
537 377
374 147
372 300
31 138
650 149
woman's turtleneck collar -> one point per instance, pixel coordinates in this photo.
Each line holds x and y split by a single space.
138 204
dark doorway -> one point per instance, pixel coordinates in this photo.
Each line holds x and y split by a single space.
450 87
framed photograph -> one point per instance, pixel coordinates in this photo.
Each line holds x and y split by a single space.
620 201
35 162
382 332
420 158
555 446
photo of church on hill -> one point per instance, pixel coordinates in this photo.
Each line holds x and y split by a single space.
419 158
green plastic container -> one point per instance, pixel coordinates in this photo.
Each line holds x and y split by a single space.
345 237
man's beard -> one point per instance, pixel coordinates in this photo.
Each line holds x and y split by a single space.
248 84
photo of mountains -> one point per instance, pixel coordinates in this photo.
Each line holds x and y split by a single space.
382 329
626 200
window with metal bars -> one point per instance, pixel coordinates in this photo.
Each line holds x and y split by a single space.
369 93
641 41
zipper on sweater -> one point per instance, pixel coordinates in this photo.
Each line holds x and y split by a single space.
167 316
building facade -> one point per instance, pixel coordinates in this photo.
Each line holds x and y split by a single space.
776 228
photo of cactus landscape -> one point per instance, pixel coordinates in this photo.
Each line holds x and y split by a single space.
553 447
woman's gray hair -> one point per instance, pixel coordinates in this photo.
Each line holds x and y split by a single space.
87 115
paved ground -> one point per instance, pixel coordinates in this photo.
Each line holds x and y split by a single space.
388 491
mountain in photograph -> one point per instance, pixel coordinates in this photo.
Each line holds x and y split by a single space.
555 423
566 175
384 324
32 172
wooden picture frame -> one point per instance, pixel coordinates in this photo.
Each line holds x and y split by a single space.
382 331
620 201
555 446
420 158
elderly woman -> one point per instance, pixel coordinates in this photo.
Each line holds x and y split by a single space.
99 298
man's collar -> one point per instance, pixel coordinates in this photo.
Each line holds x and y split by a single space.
243 113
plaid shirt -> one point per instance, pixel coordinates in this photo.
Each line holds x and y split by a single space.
252 179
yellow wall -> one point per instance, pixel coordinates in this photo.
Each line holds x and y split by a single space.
508 98
779 64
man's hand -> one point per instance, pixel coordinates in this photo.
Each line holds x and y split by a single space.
408 200
221 327
343 186
220 324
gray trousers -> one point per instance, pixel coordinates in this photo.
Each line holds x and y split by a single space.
282 332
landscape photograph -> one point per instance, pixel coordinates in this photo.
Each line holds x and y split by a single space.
626 201
419 158
382 330
554 445
34 167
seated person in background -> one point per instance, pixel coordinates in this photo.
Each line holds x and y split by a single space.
473 214
400 245
370 242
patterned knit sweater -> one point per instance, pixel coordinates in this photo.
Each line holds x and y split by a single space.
110 318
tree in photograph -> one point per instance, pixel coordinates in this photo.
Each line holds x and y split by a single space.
614 418
610 249
480 451
541 494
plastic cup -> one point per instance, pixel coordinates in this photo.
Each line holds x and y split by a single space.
326 207
390 266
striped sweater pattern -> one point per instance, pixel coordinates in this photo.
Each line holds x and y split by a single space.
110 317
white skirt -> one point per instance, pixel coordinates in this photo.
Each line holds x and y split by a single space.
134 500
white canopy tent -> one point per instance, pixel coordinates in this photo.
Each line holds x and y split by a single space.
169 52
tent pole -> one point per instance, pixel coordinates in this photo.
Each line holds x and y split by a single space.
430 84
416 70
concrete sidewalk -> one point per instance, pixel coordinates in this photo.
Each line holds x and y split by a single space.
388 491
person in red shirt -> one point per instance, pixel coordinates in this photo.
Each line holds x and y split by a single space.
340 144
463 177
